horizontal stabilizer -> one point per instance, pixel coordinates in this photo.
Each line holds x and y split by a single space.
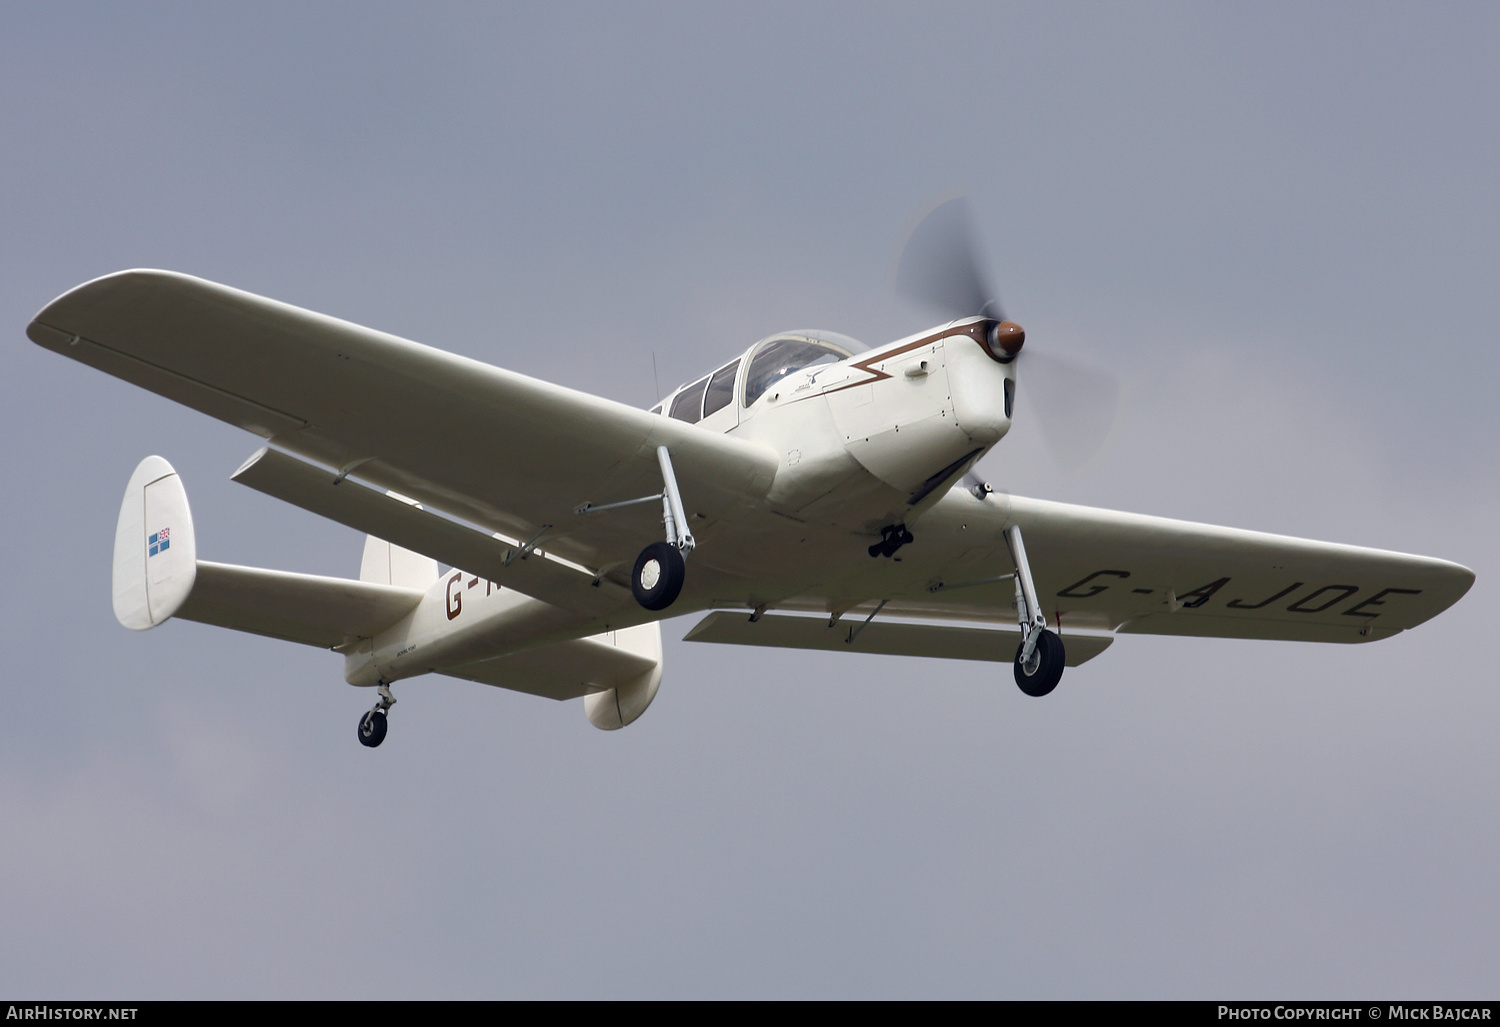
618 672
403 524
304 608
887 638
565 670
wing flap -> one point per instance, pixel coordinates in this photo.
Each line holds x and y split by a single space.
306 608
886 638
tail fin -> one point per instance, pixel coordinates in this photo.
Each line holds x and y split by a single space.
385 564
156 555
157 574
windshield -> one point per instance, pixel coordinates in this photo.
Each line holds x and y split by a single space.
780 357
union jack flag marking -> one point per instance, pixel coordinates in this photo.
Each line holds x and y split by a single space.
158 542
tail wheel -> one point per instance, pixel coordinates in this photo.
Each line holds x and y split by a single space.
659 574
1040 674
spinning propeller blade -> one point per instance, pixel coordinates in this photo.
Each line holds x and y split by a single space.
942 267
1075 405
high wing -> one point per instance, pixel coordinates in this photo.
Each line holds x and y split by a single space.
1103 570
503 451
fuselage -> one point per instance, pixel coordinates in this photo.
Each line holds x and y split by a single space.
865 442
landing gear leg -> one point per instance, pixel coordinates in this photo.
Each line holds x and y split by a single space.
661 568
373 724
1041 656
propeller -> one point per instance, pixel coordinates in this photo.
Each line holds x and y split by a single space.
942 267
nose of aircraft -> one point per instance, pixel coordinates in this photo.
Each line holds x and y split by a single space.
1005 341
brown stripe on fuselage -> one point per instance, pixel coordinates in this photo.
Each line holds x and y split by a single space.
974 331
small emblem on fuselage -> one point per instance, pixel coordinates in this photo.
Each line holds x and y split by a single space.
158 542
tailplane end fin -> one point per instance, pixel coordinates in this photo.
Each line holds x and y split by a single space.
616 707
156 555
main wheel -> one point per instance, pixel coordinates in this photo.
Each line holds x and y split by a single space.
658 577
1040 674
372 728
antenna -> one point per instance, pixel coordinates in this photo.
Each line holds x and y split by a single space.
654 378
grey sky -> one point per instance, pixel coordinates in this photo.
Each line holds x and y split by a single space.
1278 223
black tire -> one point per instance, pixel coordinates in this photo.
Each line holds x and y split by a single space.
372 728
660 565
1046 665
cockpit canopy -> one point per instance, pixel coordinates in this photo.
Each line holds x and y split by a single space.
781 355
770 361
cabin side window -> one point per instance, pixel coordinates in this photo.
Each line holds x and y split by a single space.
720 389
688 406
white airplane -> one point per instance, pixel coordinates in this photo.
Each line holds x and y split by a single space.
808 494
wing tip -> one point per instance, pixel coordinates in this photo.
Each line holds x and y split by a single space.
43 329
